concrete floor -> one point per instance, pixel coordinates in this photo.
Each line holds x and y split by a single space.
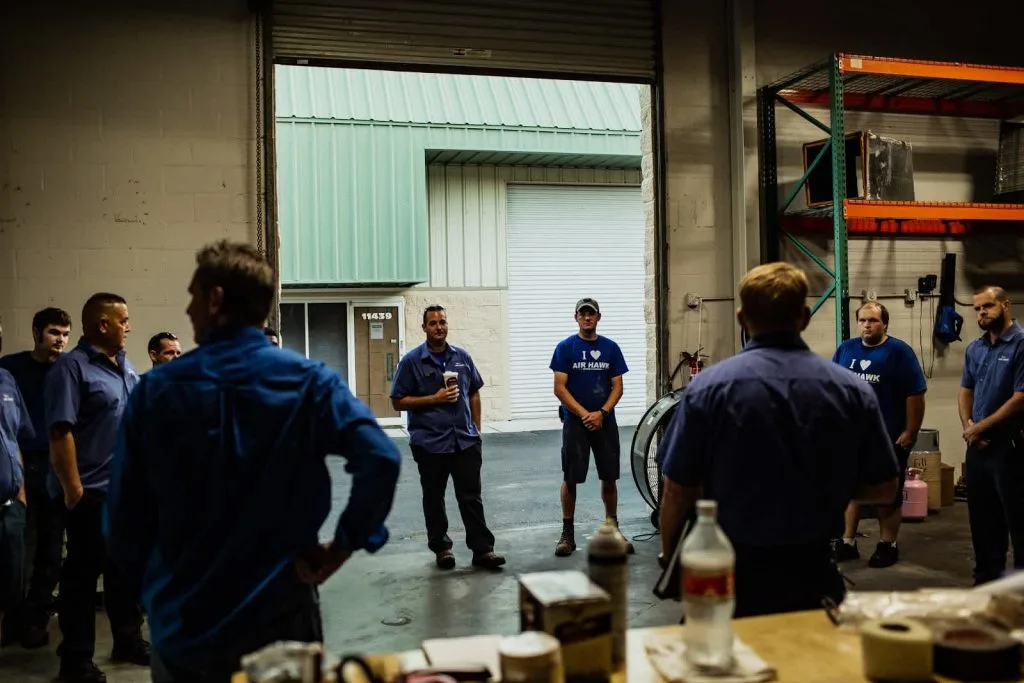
396 598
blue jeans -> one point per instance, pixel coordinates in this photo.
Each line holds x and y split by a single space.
12 556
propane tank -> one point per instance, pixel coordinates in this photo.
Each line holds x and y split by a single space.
606 565
915 496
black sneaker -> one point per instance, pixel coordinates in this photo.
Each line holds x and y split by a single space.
135 651
886 555
844 552
566 544
80 672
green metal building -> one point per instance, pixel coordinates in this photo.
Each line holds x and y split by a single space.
401 189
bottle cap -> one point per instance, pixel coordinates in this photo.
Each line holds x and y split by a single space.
707 507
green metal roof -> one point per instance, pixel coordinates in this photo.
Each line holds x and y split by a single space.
375 96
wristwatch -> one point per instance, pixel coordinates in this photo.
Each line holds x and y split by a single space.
604 412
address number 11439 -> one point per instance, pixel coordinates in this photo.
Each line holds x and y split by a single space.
377 315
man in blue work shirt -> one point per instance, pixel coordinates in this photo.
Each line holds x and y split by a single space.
220 483
588 370
50 331
85 396
782 439
51 328
438 385
891 367
991 401
15 424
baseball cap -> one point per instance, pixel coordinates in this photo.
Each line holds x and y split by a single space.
587 302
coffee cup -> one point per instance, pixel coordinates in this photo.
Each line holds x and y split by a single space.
451 379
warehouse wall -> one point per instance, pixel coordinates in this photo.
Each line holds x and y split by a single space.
128 135
953 160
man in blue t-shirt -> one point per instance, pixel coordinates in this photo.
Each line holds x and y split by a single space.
890 366
588 382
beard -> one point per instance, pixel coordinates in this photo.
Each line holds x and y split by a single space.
993 323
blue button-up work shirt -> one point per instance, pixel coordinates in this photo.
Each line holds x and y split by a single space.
447 427
14 424
781 438
994 371
88 391
30 375
220 481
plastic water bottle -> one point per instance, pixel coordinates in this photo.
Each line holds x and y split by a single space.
606 566
708 562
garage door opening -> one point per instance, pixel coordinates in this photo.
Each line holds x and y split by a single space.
502 199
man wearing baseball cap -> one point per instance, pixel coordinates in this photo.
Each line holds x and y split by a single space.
588 382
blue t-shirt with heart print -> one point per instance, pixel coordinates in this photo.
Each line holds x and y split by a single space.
892 370
591 365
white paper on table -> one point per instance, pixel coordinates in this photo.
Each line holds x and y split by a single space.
666 654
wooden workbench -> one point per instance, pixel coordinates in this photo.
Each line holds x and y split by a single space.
802 646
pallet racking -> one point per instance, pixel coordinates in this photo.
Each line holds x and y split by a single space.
846 82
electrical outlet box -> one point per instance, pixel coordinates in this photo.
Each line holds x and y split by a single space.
868 295
909 295
693 300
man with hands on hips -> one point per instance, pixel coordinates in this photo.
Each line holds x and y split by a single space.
220 485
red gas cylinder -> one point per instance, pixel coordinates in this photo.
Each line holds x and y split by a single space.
915 496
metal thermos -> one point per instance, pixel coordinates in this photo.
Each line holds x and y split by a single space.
606 565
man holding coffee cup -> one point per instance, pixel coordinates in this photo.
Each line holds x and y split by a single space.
439 386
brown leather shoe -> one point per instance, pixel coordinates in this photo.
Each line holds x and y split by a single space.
445 559
489 560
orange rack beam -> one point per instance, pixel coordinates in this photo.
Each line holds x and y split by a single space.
911 68
911 105
943 211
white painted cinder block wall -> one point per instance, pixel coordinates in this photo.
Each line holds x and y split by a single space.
954 162
127 131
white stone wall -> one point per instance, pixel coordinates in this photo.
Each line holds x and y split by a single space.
127 134
476 322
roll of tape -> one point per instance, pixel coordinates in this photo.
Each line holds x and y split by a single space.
531 657
896 650
976 653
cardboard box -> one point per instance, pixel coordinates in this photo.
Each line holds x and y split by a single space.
947 477
930 464
877 167
576 611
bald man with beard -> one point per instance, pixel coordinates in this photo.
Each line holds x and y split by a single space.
991 403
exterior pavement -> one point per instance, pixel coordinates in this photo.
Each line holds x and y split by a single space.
394 599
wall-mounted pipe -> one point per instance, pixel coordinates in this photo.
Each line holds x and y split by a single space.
737 151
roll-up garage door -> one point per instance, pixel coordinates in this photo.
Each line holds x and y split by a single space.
566 243
610 39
